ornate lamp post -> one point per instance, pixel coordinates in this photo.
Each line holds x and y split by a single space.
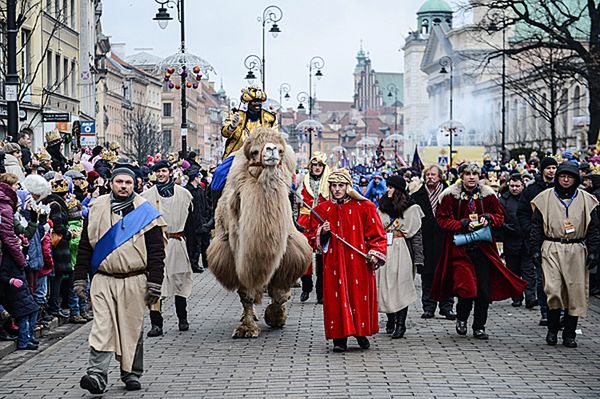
447 62
271 15
317 63
393 92
253 63
284 94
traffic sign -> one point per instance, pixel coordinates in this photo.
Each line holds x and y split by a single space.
88 133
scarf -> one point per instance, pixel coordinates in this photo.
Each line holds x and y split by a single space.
166 189
118 205
434 196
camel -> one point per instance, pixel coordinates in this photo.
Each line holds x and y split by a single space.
256 244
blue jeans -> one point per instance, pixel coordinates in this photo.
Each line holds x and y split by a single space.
76 304
39 296
26 329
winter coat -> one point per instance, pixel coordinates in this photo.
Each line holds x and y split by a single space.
59 215
510 232
25 155
595 189
200 213
17 301
524 211
13 165
433 236
376 191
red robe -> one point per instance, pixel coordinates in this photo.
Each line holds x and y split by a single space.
455 273
349 285
305 216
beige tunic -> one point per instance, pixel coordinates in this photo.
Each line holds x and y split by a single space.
395 281
118 303
566 277
178 269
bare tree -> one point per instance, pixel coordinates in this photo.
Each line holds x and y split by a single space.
143 135
570 29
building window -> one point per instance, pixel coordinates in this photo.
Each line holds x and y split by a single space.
57 9
167 138
56 71
26 61
73 14
73 79
167 110
49 61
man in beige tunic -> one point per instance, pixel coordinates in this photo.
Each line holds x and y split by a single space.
122 249
174 204
565 236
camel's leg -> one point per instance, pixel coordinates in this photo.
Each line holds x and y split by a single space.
276 312
248 328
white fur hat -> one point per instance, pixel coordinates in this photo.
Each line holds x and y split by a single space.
37 185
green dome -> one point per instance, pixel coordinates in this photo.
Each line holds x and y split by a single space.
435 6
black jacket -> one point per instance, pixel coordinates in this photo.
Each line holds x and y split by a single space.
25 156
17 301
433 236
511 233
200 214
59 215
524 211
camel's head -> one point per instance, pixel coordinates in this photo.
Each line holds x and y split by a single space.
264 148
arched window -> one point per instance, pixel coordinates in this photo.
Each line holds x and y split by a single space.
425 27
437 21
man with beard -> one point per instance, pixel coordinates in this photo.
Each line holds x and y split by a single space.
349 284
197 242
175 205
565 240
515 250
468 271
542 182
122 247
240 124
313 189
428 198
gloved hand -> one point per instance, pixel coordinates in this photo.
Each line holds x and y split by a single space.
152 293
16 282
235 120
419 267
375 262
79 287
592 261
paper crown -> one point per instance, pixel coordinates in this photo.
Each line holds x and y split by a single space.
108 155
53 137
60 186
114 146
253 93
42 155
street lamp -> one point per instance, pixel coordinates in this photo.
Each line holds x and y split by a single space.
284 94
253 63
301 97
163 17
317 63
497 19
393 92
272 15
447 62
12 77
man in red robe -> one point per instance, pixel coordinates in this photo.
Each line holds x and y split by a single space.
473 272
314 189
349 285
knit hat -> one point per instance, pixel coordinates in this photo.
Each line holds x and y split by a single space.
397 182
548 161
10 148
122 170
161 164
568 168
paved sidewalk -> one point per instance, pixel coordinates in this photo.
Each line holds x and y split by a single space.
432 361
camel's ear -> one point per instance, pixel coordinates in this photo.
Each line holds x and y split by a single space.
247 148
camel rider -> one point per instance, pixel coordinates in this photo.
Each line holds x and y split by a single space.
239 124
314 189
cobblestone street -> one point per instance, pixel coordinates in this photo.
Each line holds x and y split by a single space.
432 361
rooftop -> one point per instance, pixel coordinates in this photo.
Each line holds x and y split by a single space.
435 6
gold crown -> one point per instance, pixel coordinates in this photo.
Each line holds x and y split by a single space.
595 169
152 177
78 167
53 136
253 93
108 155
172 158
114 146
42 155
60 186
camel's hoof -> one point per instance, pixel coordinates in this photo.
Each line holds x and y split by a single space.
246 331
275 315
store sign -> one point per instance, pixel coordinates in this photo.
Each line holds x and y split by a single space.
4 113
88 133
56 117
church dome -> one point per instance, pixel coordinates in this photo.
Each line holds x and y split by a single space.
435 6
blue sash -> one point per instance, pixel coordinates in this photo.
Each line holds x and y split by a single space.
123 231
220 174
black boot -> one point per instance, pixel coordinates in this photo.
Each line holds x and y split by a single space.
569 333
553 326
391 323
340 344
157 324
208 226
400 323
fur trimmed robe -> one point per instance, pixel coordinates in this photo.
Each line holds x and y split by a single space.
455 273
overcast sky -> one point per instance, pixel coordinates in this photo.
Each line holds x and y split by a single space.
225 32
